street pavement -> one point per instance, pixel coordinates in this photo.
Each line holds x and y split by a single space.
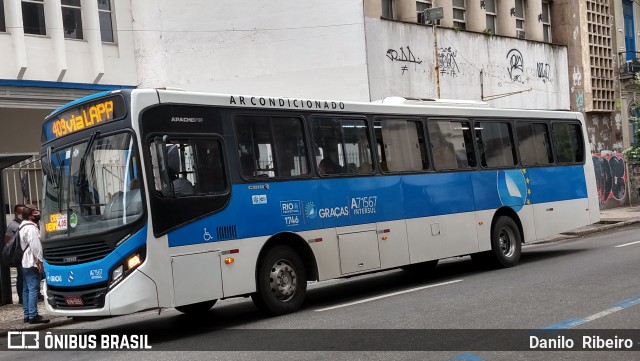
11 315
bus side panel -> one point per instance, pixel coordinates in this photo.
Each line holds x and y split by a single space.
437 207
528 221
441 236
392 242
556 217
592 190
590 176
559 195
483 228
324 245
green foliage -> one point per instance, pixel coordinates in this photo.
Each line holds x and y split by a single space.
488 32
632 154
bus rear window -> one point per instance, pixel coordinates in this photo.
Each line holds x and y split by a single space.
569 143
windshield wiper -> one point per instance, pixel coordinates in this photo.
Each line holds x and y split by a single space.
82 173
50 170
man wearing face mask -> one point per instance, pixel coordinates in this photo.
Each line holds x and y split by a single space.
31 264
12 228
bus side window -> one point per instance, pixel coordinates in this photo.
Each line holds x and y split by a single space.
194 166
451 144
342 145
401 145
271 146
495 144
534 143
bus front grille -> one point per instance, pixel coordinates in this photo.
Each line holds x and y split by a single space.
78 253
59 298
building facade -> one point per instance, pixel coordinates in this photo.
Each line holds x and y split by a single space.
54 51
535 54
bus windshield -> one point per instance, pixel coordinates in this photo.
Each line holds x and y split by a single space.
92 186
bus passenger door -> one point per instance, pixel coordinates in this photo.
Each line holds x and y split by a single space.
196 278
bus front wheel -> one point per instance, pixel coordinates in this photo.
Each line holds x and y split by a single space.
196 308
281 282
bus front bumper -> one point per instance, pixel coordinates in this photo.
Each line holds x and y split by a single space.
137 292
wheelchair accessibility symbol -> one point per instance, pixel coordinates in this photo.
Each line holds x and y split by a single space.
206 236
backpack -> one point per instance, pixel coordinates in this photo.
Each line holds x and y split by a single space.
12 252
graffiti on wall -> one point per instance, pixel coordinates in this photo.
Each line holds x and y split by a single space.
404 55
447 61
580 101
543 71
611 177
516 65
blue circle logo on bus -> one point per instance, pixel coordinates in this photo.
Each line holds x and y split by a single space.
310 210
512 188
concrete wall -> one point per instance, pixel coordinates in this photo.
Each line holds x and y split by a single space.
21 129
401 63
284 48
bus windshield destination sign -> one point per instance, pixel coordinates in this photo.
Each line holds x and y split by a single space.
86 116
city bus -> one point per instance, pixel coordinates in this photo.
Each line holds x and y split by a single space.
160 198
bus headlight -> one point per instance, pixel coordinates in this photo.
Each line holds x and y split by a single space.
117 273
130 263
133 261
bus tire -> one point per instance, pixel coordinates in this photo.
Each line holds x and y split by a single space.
196 308
506 243
281 282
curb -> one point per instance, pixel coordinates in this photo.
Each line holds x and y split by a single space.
603 227
585 231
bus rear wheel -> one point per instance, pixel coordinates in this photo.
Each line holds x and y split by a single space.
506 243
196 308
281 282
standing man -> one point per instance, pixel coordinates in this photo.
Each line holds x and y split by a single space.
12 228
31 264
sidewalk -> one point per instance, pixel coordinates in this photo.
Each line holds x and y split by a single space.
11 315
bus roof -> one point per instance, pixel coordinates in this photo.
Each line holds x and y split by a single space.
389 105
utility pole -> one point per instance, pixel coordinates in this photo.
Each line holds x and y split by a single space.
432 15
437 68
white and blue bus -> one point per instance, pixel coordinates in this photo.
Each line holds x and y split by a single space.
167 198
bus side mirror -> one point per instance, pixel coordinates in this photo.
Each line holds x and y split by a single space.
24 185
160 152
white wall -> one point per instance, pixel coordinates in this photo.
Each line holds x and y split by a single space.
44 55
312 49
509 65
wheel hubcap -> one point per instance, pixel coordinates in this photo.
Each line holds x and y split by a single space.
283 280
506 241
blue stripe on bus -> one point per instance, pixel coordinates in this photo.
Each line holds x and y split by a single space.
95 271
557 184
269 208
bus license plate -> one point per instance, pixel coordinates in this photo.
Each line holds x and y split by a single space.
74 300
